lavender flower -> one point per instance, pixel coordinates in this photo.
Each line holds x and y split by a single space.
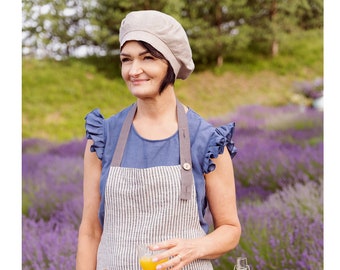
279 181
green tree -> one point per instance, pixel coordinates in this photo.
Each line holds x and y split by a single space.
55 28
272 20
107 16
310 14
215 28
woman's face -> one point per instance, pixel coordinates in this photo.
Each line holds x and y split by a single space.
142 72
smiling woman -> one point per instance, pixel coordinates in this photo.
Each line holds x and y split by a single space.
142 72
157 162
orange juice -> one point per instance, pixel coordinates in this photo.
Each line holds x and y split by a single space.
147 264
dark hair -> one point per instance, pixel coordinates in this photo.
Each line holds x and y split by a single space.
170 74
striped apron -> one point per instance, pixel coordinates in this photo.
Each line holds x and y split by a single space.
148 205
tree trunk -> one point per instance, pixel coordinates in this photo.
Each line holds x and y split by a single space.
275 48
219 60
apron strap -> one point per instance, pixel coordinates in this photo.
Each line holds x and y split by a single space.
124 133
184 143
185 153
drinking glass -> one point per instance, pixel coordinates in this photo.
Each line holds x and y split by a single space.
145 256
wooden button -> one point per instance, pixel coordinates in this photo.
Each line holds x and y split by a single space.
186 166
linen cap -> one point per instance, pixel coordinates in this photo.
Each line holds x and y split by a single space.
164 33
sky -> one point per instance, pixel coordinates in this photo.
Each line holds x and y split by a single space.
10 135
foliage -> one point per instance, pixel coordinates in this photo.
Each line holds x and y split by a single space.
56 95
271 20
55 28
216 29
281 213
283 232
310 14
106 18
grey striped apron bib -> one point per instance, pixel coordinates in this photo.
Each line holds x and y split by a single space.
148 205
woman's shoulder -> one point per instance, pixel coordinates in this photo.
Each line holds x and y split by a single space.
210 140
118 118
203 127
99 129
95 117
198 125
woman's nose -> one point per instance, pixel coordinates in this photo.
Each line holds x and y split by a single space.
135 69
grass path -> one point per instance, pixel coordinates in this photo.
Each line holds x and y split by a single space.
57 95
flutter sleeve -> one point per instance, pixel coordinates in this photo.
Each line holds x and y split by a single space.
94 125
221 138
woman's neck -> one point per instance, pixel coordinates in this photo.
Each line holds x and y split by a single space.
156 119
159 107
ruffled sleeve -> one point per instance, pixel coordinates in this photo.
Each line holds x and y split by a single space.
94 125
218 140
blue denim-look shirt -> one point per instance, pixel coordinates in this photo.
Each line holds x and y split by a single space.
206 142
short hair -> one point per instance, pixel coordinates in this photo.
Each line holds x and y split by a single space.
170 77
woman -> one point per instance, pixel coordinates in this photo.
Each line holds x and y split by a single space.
151 170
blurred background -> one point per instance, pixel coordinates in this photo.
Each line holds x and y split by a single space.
258 63
246 52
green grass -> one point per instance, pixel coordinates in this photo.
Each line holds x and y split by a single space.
56 96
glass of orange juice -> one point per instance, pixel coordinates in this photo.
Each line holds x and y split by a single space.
145 256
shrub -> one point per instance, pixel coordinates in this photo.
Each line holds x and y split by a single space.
283 232
278 173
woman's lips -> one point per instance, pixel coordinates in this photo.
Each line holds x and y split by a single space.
138 81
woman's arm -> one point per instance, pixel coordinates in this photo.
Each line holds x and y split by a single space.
90 229
221 195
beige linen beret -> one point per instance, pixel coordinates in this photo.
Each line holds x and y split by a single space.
162 32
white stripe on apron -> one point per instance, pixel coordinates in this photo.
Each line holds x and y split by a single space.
146 206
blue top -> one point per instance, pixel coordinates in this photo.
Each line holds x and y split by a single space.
206 142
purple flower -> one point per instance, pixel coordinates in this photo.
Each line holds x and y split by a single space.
279 185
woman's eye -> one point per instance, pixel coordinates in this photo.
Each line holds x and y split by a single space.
125 59
148 57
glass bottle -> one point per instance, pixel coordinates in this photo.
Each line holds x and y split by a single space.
241 264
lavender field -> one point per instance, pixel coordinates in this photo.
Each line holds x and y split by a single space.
279 181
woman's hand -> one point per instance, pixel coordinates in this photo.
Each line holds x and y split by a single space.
179 252
221 195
